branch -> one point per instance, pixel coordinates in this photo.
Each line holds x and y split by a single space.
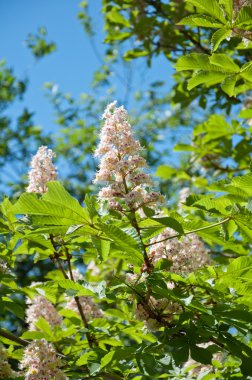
76 298
14 338
190 232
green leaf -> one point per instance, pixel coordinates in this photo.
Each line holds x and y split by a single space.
219 36
194 61
244 183
201 20
170 222
224 62
107 359
56 207
211 7
116 18
201 355
90 203
207 77
44 326
243 19
228 6
102 246
228 85
122 240
135 53
165 171
246 71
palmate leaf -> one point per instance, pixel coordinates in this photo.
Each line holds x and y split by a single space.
210 7
200 20
56 207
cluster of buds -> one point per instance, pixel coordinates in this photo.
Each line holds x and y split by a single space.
186 255
38 307
42 170
121 166
5 368
40 362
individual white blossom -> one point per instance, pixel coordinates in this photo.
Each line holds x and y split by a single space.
42 170
38 307
5 368
121 166
40 362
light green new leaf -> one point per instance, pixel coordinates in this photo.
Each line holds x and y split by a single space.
228 6
210 7
116 18
228 85
194 61
219 36
224 62
201 20
243 20
246 70
205 77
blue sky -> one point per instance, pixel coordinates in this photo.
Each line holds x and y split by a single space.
72 66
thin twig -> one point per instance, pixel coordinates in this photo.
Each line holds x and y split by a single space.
190 232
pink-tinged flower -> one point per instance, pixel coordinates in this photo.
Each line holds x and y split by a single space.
42 170
121 166
38 307
40 362
90 309
186 255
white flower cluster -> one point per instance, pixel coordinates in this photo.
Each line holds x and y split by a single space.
90 309
186 255
38 307
121 166
5 368
42 170
40 362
